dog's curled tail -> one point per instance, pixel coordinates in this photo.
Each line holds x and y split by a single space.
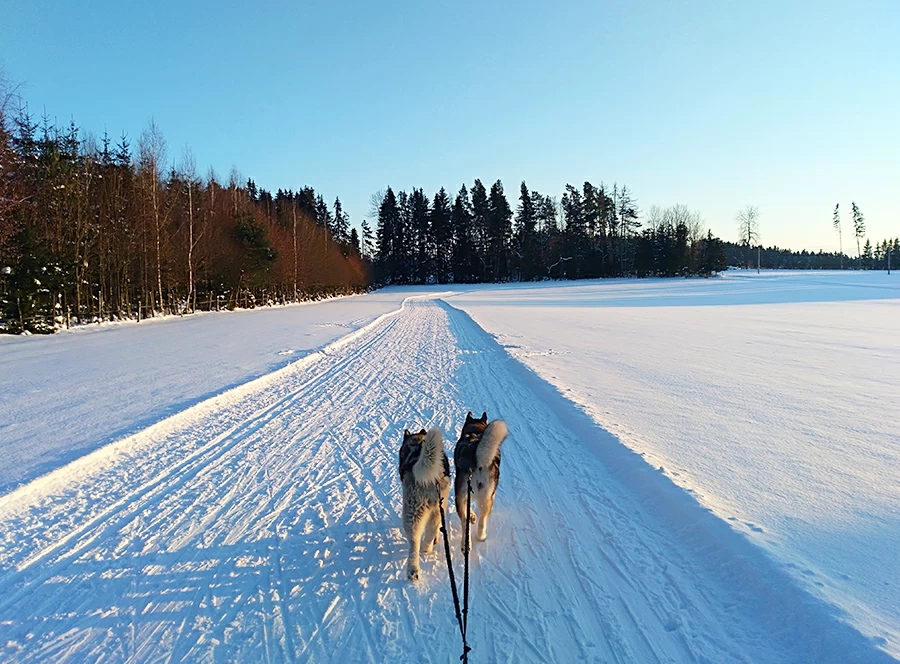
489 445
429 467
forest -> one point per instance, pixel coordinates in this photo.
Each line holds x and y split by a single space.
95 230
589 232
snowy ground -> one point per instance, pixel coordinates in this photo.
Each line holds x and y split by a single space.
68 394
262 524
772 398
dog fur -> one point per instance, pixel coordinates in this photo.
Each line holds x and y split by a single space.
425 479
478 451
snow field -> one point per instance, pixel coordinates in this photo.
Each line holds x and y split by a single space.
264 525
771 398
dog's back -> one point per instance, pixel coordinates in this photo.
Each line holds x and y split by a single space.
465 455
411 450
425 480
477 455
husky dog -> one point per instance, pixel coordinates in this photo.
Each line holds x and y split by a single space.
478 452
425 478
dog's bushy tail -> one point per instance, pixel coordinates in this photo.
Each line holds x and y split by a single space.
489 445
429 467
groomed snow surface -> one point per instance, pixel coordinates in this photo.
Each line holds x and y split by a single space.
69 394
697 470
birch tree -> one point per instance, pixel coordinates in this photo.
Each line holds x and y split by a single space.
191 181
748 228
152 150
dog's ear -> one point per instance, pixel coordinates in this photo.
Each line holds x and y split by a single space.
405 433
423 432
468 417
484 417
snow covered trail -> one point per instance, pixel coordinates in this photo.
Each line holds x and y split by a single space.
263 525
68 394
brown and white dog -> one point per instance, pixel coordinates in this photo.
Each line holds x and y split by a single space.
478 451
425 479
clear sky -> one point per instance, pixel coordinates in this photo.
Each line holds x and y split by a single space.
791 106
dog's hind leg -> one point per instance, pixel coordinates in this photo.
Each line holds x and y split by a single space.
461 513
485 506
460 494
414 529
432 529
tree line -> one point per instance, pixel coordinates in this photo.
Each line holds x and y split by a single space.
749 253
872 257
95 229
590 231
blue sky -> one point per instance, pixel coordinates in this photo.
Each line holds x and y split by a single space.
791 106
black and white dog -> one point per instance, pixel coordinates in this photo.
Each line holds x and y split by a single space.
478 452
425 478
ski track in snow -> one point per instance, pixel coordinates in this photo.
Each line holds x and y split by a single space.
263 525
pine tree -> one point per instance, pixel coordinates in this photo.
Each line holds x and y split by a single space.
859 226
627 224
354 241
836 222
680 258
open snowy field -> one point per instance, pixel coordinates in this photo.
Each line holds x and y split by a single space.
772 398
232 491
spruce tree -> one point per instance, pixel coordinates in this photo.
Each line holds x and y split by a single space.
526 236
421 236
576 238
404 240
499 233
480 229
442 235
368 240
340 223
387 232
323 214
464 258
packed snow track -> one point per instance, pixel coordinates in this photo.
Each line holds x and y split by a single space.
263 525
